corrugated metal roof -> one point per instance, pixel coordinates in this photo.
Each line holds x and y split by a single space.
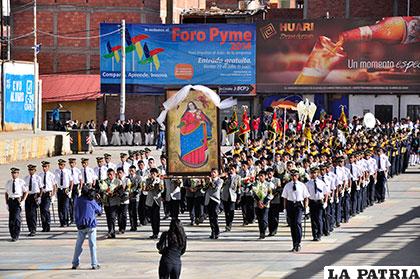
65 88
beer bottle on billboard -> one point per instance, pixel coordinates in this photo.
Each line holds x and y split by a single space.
391 30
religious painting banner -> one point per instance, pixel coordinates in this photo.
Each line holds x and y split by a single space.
192 135
339 55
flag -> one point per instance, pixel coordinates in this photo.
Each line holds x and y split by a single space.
273 128
233 126
342 121
37 48
245 128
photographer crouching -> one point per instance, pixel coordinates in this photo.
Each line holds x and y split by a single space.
85 211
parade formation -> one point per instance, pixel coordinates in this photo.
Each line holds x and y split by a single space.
326 172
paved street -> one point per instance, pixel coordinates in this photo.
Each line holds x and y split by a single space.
386 234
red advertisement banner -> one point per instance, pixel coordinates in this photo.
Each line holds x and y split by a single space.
338 55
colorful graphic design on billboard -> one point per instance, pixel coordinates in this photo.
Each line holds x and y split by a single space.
338 55
173 55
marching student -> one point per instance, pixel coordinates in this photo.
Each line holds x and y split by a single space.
212 188
318 200
15 195
295 194
34 184
262 190
154 187
48 191
64 190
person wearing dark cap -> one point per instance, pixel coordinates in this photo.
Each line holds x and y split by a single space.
229 195
383 167
65 187
373 168
295 195
124 193
318 199
108 162
154 187
276 204
328 213
100 171
34 184
354 176
110 199
213 186
262 190
76 174
147 154
49 188
88 176
16 193
123 163
342 194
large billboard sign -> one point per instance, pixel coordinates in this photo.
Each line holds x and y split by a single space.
338 55
176 55
19 95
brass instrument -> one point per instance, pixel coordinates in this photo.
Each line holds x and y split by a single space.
208 183
155 184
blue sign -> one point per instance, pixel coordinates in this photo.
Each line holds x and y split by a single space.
19 98
176 55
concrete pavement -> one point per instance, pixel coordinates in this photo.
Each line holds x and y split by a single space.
386 234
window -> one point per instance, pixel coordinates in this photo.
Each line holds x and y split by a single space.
64 117
383 113
299 4
285 4
413 111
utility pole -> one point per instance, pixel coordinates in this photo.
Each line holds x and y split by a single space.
122 95
8 28
38 98
408 7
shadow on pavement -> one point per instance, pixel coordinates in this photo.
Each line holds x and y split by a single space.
395 258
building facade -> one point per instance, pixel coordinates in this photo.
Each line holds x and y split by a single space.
61 23
80 19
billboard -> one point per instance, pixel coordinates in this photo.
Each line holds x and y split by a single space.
167 56
19 95
339 55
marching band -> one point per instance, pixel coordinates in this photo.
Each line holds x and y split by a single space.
326 181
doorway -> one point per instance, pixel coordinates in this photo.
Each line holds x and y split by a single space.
383 113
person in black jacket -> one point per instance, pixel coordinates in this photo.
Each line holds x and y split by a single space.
172 246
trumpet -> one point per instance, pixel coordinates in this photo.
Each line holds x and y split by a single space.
153 184
208 183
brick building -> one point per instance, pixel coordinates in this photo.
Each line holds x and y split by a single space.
75 18
81 18
78 18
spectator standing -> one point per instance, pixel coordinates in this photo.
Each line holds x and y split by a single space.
56 118
172 246
85 210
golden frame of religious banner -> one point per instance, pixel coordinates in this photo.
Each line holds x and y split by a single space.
192 140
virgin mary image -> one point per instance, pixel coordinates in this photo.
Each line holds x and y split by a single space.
195 132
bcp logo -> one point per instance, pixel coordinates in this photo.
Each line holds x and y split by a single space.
144 54
268 31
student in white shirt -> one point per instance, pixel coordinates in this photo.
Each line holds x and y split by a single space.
16 193
49 188
64 181
33 182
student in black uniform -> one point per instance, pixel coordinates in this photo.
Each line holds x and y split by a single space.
172 246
